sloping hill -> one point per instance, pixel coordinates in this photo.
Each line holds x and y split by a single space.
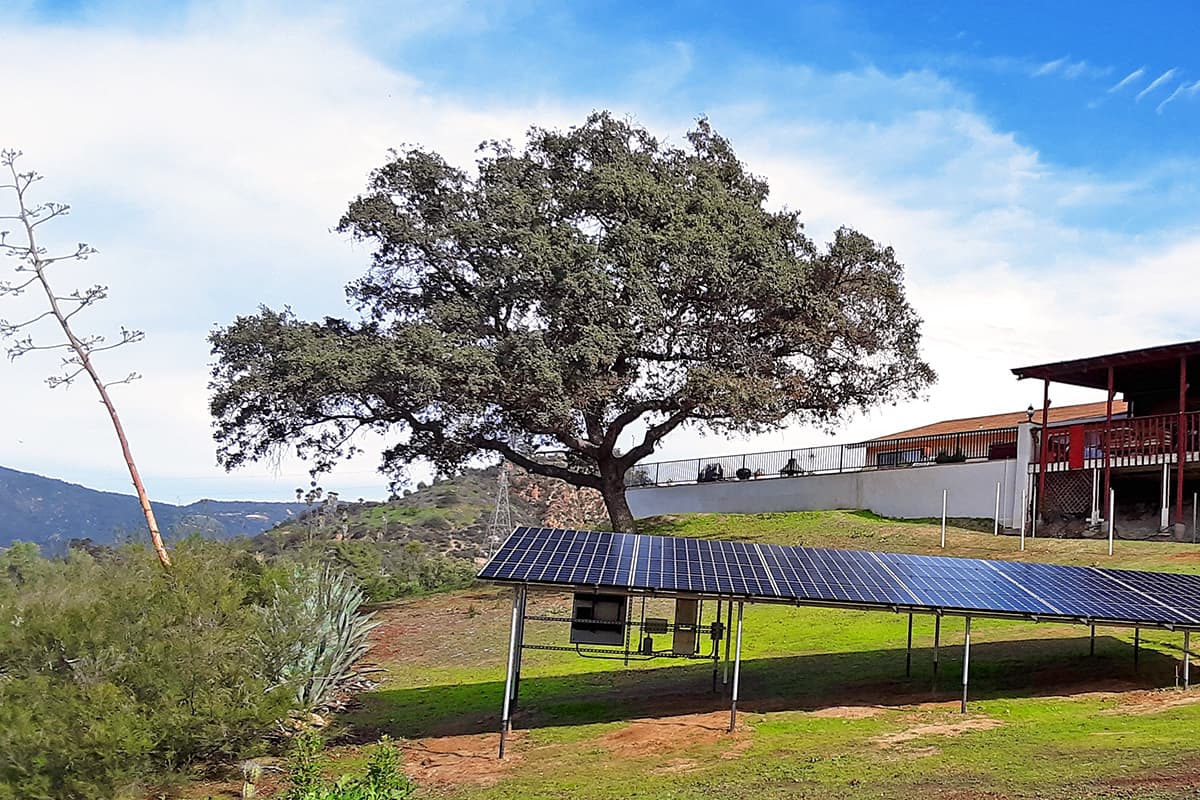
452 515
51 512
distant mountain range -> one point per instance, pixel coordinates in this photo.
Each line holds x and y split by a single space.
51 512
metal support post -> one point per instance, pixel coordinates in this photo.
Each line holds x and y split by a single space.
1033 521
1112 518
516 688
937 641
737 671
908 652
728 641
1092 650
512 663
1024 506
943 518
996 524
1187 657
717 647
966 663
1137 646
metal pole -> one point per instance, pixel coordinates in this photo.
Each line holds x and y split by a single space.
512 662
1092 651
1112 516
943 517
1187 656
966 663
937 641
1195 498
996 526
1024 505
717 647
1137 646
908 652
728 641
516 688
1034 515
737 671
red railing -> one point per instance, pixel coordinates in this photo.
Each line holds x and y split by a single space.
1128 442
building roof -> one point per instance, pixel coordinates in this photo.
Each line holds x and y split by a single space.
1058 415
1149 368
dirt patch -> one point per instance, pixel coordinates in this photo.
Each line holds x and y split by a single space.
643 737
848 712
676 766
460 760
1151 702
936 729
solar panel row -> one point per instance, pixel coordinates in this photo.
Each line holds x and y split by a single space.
775 572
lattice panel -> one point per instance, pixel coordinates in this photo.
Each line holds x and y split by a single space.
1068 494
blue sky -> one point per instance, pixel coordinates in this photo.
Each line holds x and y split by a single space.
1034 165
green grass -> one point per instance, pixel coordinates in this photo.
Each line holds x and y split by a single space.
1041 727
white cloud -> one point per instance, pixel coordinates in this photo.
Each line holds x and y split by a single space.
1184 90
1132 77
208 165
1157 82
1066 68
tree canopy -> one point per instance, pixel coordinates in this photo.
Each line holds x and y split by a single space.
593 282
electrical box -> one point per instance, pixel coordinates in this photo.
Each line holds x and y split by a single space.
598 619
686 614
655 625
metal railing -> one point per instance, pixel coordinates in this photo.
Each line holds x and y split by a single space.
1130 441
980 445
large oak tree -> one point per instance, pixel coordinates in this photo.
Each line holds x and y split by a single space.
593 282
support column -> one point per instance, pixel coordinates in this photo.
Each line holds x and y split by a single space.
937 641
1092 649
1164 512
728 641
1181 435
516 688
966 663
1137 646
737 671
1044 452
716 657
513 644
908 652
1187 658
1108 447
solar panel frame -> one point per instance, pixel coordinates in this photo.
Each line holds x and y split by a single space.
685 566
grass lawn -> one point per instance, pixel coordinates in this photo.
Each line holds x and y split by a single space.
826 707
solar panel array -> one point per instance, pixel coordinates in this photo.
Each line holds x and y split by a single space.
745 570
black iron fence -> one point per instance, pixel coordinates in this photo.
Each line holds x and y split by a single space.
947 448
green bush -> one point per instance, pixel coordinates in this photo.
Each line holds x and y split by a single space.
111 671
384 779
314 634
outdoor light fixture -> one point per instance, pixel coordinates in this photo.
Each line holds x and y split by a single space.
1029 413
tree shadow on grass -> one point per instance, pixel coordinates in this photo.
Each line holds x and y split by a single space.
1002 669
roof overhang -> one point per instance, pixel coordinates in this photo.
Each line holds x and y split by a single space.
1146 369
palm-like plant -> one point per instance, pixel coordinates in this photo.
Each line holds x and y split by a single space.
317 634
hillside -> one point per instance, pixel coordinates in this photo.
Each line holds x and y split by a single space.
51 512
451 515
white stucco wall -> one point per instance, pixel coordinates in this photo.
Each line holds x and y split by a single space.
903 493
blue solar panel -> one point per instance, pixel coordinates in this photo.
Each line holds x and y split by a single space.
817 575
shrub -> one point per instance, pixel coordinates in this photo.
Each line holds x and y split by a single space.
314 634
384 779
114 670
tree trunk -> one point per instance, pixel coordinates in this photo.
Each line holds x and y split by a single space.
612 489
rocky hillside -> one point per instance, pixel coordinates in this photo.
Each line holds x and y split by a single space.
451 515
